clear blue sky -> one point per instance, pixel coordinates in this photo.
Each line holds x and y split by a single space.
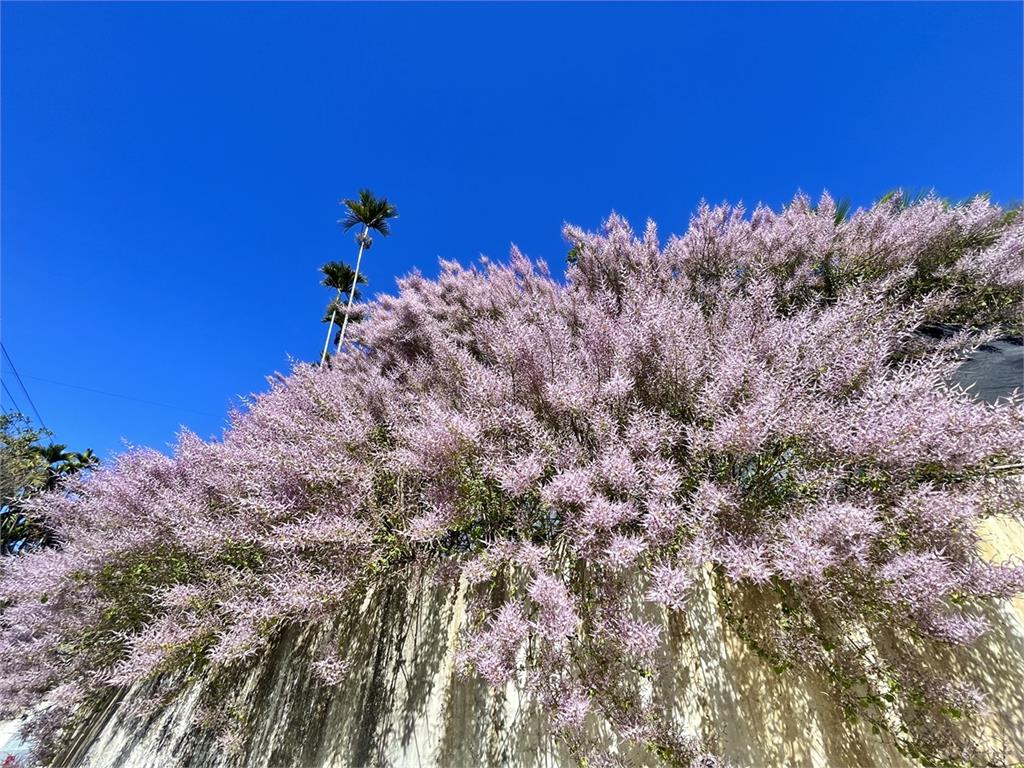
171 172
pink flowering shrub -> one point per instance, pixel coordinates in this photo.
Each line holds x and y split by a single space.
760 402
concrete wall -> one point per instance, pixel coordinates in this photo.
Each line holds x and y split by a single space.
404 705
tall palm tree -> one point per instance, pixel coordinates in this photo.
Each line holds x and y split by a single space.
341 277
372 213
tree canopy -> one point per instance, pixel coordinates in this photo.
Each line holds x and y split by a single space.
29 467
369 211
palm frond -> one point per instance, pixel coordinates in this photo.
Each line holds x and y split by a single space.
902 199
369 211
337 308
842 211
334 312
339 275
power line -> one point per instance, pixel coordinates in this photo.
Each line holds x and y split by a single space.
11 397
121 397
23 388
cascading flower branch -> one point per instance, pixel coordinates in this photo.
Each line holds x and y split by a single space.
760 402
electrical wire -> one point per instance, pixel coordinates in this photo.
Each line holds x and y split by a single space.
120 397
10 397
17 375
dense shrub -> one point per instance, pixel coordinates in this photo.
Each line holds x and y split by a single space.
761 400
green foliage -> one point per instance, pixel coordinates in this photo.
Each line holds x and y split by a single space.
28 467
369 211
340 276
127 586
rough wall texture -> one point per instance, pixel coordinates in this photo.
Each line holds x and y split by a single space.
405 705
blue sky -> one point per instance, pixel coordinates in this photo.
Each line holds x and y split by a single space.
171 172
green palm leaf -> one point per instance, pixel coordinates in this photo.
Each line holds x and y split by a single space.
339 276
369 211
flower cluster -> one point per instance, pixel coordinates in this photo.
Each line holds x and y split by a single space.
761 401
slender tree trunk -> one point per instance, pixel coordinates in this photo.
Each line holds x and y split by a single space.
330 328
352 292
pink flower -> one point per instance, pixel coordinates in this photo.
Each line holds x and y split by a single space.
670 586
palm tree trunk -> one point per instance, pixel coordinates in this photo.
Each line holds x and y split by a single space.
327 341
352 291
